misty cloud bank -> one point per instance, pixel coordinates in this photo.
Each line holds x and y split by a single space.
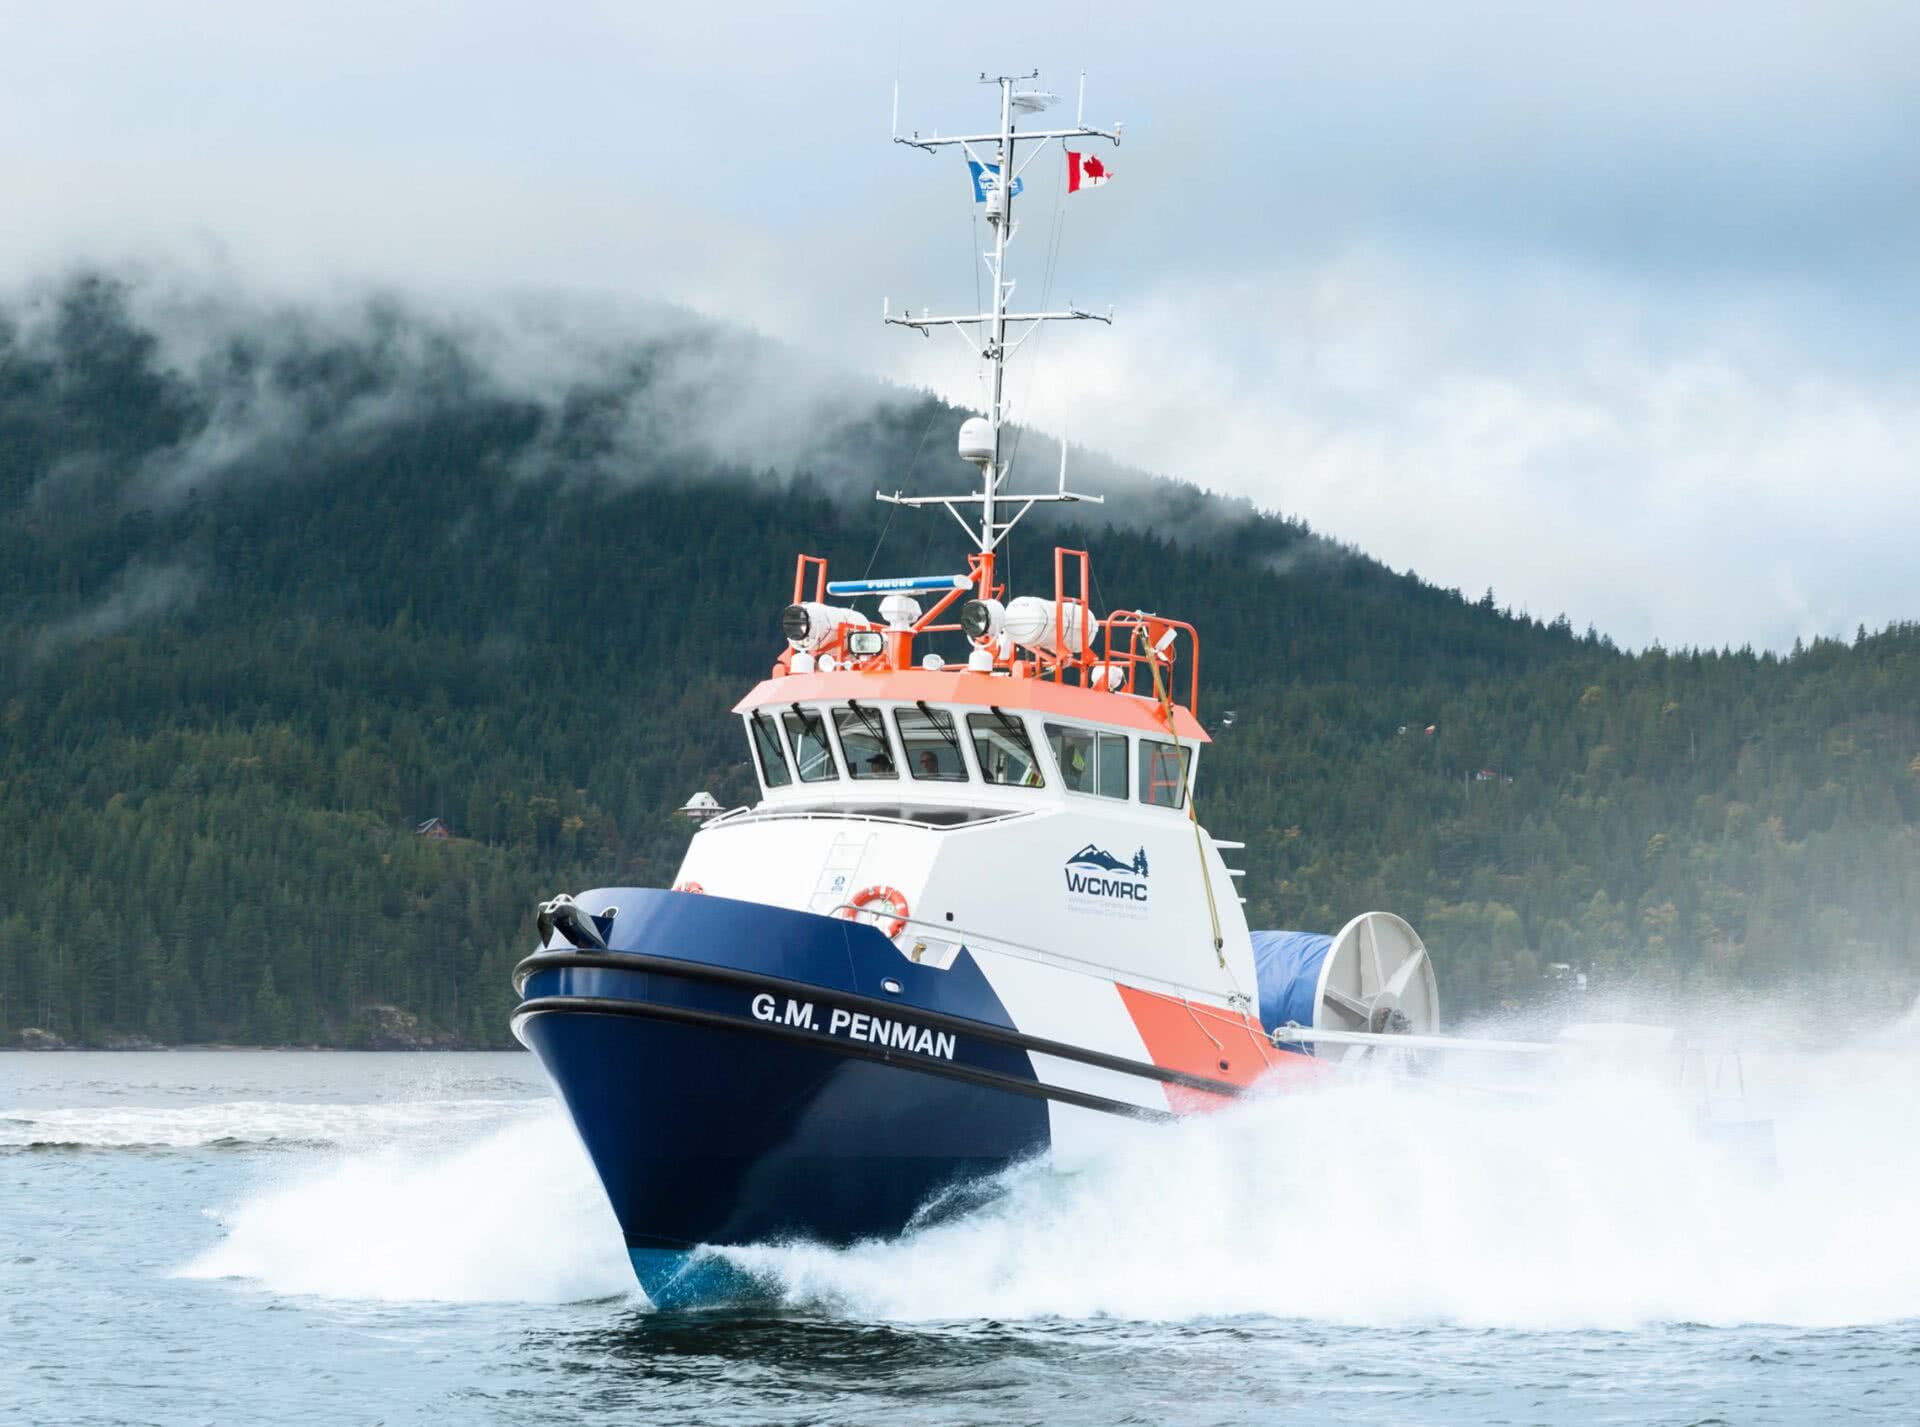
141 393
617 393
143 593
268 390
1614 309
621 392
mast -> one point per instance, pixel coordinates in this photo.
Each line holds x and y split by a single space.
997 339
987 333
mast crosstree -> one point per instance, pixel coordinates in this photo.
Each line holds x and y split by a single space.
998 167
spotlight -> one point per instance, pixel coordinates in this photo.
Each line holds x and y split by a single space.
981 619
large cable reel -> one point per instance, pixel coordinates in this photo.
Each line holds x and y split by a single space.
1377 977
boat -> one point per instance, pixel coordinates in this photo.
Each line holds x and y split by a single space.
973 916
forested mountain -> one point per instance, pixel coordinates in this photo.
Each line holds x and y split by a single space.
278 586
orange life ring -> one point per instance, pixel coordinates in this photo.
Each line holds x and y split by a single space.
891 896
688 887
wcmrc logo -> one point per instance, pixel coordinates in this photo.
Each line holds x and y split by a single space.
1094 872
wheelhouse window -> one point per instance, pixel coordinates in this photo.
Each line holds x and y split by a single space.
863 739
1163 774
1090 762
931 743
1005 752
812 750
768 753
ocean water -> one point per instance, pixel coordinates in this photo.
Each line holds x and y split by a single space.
246 1237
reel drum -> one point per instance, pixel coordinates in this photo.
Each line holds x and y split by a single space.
1377 977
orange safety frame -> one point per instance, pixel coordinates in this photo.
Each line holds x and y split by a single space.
819 565
1129 640
1064 658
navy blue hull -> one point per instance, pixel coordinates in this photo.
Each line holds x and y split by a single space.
740 1074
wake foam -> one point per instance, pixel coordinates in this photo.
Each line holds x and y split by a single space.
513 1214
1587 1203
1596 1203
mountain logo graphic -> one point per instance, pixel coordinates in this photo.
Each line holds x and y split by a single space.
1091 856
1095 872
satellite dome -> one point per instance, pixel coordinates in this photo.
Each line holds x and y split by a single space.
976 441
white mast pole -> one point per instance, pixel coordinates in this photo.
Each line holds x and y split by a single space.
992 326
997 332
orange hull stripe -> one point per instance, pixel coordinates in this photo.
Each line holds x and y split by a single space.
1204 1040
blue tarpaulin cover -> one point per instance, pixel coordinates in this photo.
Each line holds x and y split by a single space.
1287 967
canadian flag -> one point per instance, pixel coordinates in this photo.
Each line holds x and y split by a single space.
1085 171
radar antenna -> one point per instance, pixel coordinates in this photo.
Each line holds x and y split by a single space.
997 169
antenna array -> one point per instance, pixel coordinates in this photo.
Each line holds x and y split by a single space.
994 335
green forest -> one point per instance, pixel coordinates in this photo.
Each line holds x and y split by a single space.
278 587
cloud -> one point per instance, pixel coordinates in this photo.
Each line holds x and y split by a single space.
1706 485
1612 309
141 594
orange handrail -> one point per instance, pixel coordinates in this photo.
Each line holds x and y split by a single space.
1063 657
819 594
1129 639
1142 629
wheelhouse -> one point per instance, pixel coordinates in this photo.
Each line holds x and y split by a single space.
1052 703
822 752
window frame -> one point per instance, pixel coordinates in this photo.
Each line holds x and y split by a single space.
1096 737
802 712
956 740
1005 720
861 713
759 723
1155 747
1101 736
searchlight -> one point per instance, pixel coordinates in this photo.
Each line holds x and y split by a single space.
808 626
982 619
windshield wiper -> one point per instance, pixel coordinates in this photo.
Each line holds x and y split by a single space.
1015 729
871 721
947 732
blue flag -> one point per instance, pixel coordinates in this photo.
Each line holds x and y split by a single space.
986 176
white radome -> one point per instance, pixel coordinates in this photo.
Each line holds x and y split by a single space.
976 441
900 611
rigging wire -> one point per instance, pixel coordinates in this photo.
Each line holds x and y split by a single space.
933 413
976 260
885 526
1046 293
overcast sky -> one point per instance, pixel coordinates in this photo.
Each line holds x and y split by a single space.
1613 308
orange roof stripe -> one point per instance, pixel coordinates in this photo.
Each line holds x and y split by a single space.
965 686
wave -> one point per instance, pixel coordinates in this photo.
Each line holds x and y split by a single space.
513 1214
1588 1202
1596 1203
244 1124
